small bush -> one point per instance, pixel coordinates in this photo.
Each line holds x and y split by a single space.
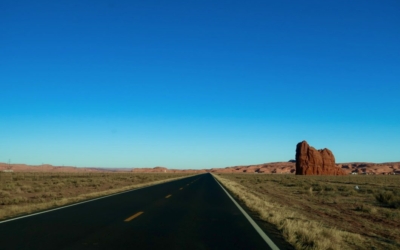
12 200
365 208
389 199
9 187
4 194
316 187
329 188
26 187
343 189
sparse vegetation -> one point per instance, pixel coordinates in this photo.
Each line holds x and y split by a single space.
389 198
325 212
22 193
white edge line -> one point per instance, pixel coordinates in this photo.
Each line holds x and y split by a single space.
270 243
81 202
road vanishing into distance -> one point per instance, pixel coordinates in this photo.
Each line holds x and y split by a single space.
190 213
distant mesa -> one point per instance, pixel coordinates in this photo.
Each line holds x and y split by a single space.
166 170
265 168
310 161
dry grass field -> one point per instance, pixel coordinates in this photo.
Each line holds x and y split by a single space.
22 193
325 212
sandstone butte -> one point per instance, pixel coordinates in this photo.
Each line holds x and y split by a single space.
310 161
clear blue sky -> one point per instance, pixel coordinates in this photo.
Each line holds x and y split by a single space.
197 84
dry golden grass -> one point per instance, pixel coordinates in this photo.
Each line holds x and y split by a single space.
324 212
23 193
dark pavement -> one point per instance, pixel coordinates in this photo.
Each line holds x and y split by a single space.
191 213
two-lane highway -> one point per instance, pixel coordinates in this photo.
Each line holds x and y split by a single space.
190 213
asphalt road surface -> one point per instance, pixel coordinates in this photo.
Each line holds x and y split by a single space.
191 213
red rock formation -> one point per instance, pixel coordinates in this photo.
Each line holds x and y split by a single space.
310 161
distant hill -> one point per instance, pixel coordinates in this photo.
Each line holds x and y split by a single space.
264 168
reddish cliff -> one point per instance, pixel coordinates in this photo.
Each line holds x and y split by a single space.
310 161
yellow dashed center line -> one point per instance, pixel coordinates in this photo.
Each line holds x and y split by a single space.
180 188
133 216
168 196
